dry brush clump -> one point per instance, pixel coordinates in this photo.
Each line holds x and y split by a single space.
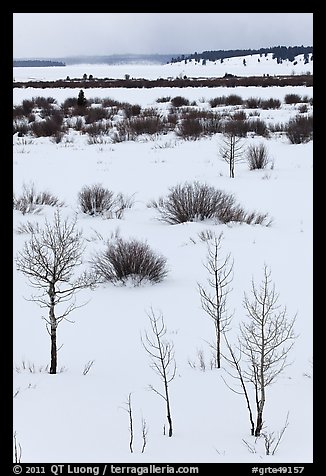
258 127
50 126
230 100
95 200
299 130
257 156
195 123
179 101
129 260
148 121
190 128
292 98
31 201
197 202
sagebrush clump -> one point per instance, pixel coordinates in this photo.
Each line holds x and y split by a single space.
129 260
191 202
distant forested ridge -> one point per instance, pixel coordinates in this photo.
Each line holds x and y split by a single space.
29 63
281 53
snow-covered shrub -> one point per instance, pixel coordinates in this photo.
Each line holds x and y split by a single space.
300 129
96 200
163 99
233 100
237 127
179 101
239 115
27 106
190 128
131 110
259 127
129 129
270 103
96 131
94 114
68 104
292 98
43 102
252 103
257 156
22 127
197 202
31 201
303 108
49 126
191 202
132 261
230 100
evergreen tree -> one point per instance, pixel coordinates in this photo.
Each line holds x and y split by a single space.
81 101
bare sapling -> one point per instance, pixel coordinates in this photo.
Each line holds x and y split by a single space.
232 150
161 353
214 300
49 260
131 425
265 341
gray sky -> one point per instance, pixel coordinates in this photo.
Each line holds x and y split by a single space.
67 34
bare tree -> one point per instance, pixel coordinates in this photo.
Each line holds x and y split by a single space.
214 301
49 260
161 353
231 150
264 343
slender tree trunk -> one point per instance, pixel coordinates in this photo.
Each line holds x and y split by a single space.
232 158
259 423
261 403
260 409
166 388
168 411
218 321
53 367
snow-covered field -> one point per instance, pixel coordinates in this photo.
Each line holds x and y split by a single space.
255 66
81 418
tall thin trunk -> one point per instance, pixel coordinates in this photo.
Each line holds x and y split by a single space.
168 411
166 388
261 380
232 156
53 323
53 368
218 318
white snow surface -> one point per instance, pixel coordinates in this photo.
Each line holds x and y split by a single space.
255 66
81 418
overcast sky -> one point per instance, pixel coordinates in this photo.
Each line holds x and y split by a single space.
67 34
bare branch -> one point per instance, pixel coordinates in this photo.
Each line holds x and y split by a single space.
144 433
